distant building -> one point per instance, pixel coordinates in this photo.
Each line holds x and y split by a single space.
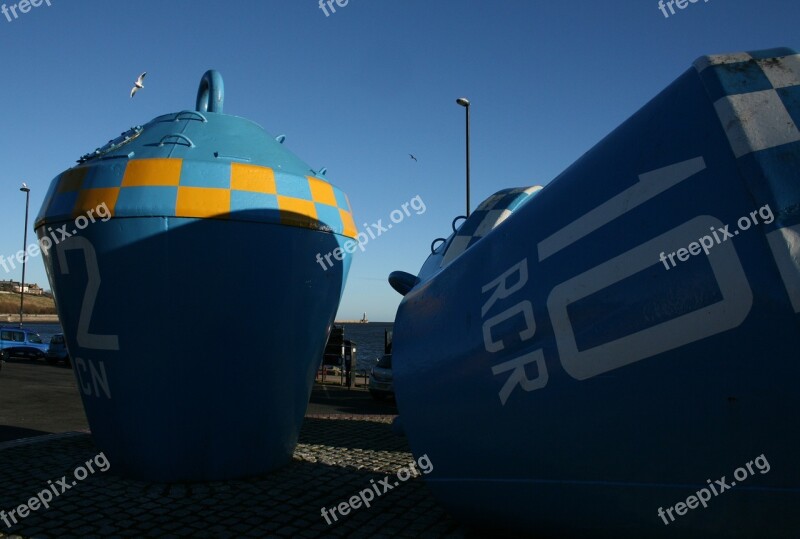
34 290
14 286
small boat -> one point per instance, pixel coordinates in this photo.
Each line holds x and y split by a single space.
194 217
364 319
595 358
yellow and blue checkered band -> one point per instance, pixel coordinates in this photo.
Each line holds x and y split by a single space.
167 187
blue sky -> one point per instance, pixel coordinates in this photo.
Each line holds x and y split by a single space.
357 91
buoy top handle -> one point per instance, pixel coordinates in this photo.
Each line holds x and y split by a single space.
211 93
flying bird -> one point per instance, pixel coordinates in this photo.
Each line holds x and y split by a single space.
139 84
412 157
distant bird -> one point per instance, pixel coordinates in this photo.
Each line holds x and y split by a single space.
412 157
139 84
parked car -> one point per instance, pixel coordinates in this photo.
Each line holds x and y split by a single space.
22 342
380 378
57 351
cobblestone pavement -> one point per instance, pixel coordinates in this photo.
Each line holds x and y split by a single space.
335 459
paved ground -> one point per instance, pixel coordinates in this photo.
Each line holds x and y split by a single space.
335 459
346 445
37 398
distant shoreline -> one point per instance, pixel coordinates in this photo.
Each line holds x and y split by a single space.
13 318
29 319
360 322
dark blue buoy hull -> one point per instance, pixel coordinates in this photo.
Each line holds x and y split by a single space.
214 361
565 381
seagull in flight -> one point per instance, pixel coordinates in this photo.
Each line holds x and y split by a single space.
139 84
412 157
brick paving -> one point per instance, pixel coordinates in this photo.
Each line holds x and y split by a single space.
335 458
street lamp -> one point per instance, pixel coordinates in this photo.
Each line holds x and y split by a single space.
464 102
25 189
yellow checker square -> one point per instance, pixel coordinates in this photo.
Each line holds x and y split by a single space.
203 202
72 180
153 172
89 200
252 178
349 224
296 211
321 191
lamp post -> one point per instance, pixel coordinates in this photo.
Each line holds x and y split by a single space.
25 189
464 102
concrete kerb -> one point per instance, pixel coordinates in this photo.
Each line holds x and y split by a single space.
44 438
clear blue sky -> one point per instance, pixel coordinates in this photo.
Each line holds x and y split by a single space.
357 91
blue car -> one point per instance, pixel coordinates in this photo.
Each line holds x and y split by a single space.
57 351
21 342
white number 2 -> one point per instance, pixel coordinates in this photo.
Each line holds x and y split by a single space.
86 339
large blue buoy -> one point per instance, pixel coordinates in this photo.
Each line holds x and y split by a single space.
596 358
184 259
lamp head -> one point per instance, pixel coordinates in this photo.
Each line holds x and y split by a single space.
463 101
24 187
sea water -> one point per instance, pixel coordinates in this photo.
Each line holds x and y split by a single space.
369 341
368 338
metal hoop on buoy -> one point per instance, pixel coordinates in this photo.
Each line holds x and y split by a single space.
211 93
